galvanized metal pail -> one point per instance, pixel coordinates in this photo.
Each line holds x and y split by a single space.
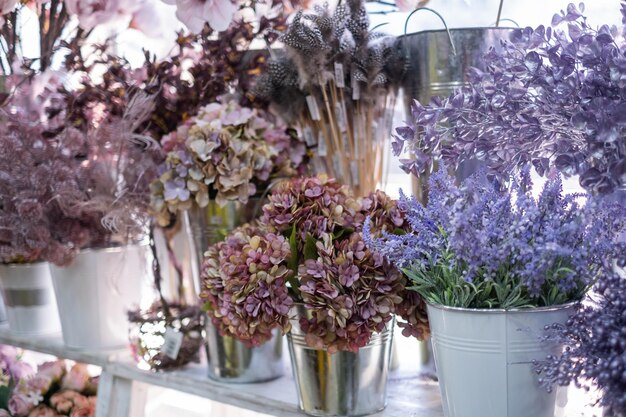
342 383
438 62
211 224
484 360
232 361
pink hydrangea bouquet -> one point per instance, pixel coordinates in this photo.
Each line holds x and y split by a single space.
308 249
226 152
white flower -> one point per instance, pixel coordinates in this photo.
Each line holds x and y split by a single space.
195 13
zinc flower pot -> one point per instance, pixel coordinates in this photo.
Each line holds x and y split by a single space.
484 360
438 63
29 298
95 292
340 383
211 224
232 361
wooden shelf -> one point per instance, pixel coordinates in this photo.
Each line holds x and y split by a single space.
53 345
408 395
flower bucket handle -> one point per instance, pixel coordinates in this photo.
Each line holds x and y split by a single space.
497 24
406 25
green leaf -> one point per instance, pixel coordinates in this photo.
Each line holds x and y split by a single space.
310 249
5 394
293 245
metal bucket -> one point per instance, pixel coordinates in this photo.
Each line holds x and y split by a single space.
211 224
438 62
31 306
342 383
95 292
232 361
484 361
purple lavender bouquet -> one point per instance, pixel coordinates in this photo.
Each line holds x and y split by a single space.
595 346
475 246
550 97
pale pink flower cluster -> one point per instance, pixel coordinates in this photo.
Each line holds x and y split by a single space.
92 13
195 13
31 395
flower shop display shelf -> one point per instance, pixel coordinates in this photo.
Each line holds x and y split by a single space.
408 395
53 345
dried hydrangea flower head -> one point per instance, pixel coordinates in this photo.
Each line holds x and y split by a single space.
350 291
477 246
245 288
550 97
226 152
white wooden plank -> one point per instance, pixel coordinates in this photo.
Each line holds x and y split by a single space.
409 396
53 345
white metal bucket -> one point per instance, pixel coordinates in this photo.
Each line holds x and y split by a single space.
95 292
483 360
29 299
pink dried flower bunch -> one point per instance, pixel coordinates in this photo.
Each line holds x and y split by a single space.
226 152
75 190
245 288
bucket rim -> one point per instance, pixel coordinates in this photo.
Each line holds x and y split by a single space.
473 28
532 310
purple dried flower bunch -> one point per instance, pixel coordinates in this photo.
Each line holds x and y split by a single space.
595 346
74 190
226 152
245 287
349 291
477 246
33 223
550 97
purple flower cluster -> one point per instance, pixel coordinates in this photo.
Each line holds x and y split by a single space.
308 248
595 346
504 249
245 287
350 292
314 206
550 97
